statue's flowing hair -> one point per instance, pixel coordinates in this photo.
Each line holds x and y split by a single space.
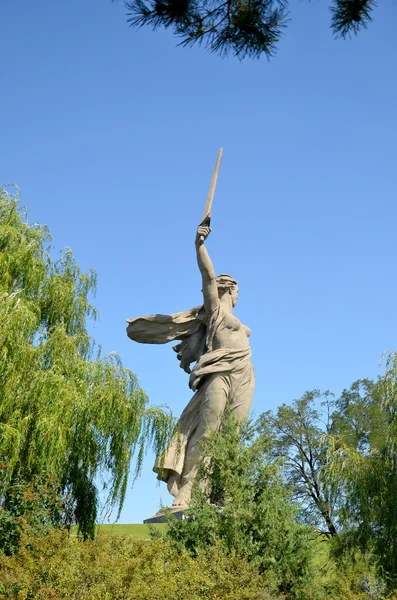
225 283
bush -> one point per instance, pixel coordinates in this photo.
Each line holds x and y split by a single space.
58 566
33 506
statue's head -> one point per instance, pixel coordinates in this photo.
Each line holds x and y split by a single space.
227 285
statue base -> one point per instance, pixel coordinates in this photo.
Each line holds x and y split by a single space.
159 517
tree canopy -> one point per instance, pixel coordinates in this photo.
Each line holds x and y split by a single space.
65 409
298 438
339 457
362 456
241 503
242 27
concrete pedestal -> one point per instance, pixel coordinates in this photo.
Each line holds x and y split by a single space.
160 518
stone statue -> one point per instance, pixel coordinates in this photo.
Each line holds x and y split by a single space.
218 343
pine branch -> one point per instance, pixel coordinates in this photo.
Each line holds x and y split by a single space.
350 16
179 13
243 27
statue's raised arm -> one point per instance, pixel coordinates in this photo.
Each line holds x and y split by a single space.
210 288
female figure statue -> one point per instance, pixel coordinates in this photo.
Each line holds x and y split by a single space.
212 337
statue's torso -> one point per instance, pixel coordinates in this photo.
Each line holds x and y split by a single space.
231 333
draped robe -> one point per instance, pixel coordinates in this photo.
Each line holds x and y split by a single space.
195 330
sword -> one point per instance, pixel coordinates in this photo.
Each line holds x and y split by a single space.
206 220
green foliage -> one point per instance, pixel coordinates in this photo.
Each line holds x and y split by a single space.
352 576
242 505
350 16
53 565
361 456
35 507
65 409
334 459
242 27
140 531
358 571
359 418
9 532
339 458
57 567
297 434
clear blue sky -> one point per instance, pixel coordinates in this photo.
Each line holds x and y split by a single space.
112 135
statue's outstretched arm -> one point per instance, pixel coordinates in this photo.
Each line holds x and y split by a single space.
210 288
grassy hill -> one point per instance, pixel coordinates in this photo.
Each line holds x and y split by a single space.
137 531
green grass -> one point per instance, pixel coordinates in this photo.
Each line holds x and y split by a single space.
137 531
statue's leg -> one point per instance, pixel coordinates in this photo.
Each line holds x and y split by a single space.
242 393
215 395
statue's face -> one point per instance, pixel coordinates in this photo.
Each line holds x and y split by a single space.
234 295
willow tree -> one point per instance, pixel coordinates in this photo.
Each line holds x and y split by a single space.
65 409
362 458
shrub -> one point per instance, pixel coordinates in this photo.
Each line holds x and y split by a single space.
58 566
33 506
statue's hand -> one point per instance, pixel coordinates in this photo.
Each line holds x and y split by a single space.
203 232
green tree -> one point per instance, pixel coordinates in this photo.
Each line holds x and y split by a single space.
242 27
362 458
65 410
241 504
298 437
359 417
312 434
339 458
